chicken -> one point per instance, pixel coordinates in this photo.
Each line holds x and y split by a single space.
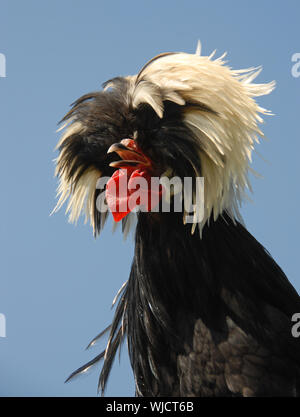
206 310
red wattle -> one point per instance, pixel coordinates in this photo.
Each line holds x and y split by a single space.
120 191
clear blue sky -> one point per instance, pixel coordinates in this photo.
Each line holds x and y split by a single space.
57 282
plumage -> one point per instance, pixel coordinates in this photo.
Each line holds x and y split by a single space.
206 310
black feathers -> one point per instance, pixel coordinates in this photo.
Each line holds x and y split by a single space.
206 316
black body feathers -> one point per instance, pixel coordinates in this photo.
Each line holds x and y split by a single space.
207 317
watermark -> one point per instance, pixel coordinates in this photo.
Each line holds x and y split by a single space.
296 67
2 325
296 327
2 65
158 407
123 194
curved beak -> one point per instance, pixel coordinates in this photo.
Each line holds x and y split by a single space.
129 154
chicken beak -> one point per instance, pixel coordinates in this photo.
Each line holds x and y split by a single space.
129 154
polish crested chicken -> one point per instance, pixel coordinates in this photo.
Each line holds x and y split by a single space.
206 311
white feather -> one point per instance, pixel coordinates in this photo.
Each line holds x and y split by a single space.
227 136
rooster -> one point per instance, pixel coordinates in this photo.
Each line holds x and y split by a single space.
206 311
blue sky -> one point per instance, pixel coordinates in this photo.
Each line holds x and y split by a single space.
57 282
